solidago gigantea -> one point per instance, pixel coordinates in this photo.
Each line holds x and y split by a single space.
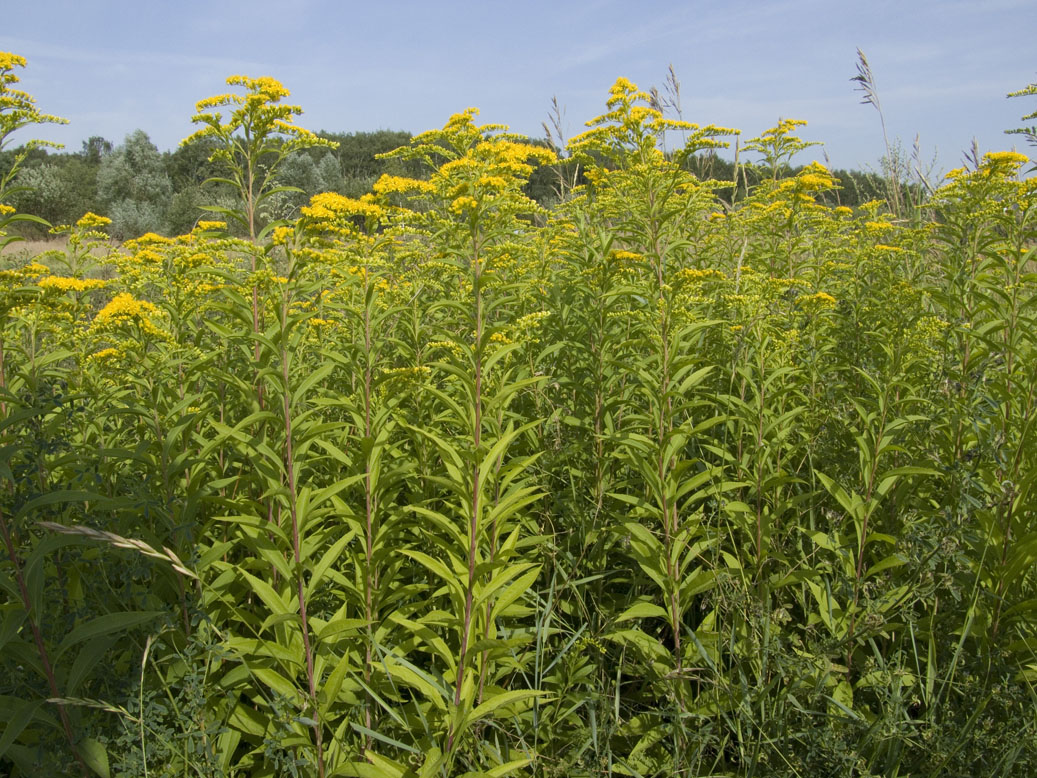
17 110
632 130
252 140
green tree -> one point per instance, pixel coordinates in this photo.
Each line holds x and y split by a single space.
134 188
95 148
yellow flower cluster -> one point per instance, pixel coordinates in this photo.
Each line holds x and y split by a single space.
449 345
492 182
877 226
622 255
815 177
530 320
463 204
106 356
62 284
623 88
260 113
263 88
401 185
331 206
18 108
820 301
691 274
512 157
282 236
32 270
463 120
9 61
784 127
629 131
124 307
1011 159
91 221
148 238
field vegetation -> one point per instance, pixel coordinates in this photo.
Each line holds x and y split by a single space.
688 469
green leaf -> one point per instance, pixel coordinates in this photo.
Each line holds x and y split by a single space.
107 624
894 560
515 590
507 768
842 697
383 738
95 755
273 601
86 660
498 701
438 568
650 648
642 610
17 713
402 670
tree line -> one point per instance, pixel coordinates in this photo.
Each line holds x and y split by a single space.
142 189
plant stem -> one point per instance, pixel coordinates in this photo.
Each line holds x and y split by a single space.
297 550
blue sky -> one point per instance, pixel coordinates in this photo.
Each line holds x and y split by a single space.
942 67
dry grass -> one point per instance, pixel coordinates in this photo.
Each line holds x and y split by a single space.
22 251
25 249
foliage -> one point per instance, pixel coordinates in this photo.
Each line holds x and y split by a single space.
134 188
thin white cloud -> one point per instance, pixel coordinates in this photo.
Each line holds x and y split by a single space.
116 56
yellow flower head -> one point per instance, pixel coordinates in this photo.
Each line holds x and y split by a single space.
463 203
107 357
625 91
9 61
401 185
1002 163
1007 158
124 310
148 239
91 221
18 108
282 236
621 255
331 206
269 88
492 182
33 270
124 306
821 301
61 284
206 226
